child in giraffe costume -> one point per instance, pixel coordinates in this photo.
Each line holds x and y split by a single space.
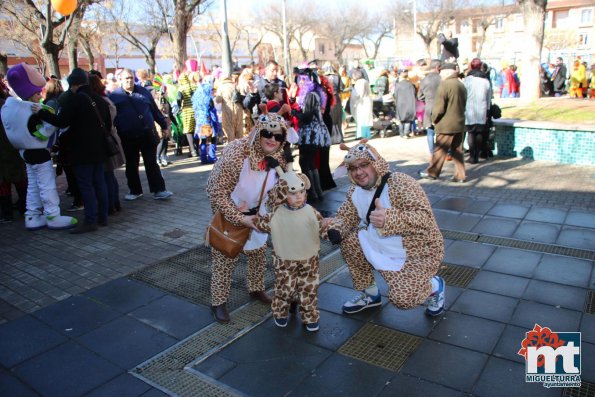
234 185
398 236
295 228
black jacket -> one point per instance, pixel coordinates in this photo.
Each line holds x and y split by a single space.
86 132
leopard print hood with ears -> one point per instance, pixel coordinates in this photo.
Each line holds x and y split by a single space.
368 152
275 124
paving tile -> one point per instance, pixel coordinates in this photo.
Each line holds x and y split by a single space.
556 294
550 215
580 218
577 238
513 261
500 377
564 270
468 254
214 366
262 354
67 370
335 329
494 226
468 331
126 341
124 294
588 362
510 343
415 387
588 327
12 386
537 231
24 338
341 375
174 316
458 204
527 314
499 283
485 305
456 221
76 315
509 210
154 393
123 385
413 321
444 359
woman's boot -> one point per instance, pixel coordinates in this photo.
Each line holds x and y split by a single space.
6 209
312 195
316 184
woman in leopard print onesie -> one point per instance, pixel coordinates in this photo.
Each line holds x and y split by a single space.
233 188
400 238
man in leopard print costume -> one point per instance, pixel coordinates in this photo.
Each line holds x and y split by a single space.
234 185
295 228
400 238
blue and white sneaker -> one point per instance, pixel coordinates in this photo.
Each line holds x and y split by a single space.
436 300
360 302
313 327
280 322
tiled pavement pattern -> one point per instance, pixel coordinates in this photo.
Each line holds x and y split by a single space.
74 324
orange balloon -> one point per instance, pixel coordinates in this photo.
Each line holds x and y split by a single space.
64 7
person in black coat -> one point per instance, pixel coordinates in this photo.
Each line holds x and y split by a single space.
88 119
559 77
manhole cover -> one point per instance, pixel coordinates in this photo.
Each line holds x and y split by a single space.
590 302
381 346
176 233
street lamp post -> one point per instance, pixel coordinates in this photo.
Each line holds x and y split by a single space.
225 47
285 49
414 22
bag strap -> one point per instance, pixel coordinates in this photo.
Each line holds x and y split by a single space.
94 105
376 195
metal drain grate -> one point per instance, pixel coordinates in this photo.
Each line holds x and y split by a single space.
188 275
587 389
457 276
381 346
590 302
520 244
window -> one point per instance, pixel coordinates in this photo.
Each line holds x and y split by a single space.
560 20
475 26
587 17
583 39
519 23
321 48
499 24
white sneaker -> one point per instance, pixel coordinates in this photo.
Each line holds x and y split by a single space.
35 222
360 302
436 300
165 194
60 222
131 197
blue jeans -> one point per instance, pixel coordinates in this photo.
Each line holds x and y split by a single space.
113 189
91 181
430 137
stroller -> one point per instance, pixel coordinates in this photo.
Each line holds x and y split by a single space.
383 108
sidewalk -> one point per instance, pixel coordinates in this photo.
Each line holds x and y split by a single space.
125 311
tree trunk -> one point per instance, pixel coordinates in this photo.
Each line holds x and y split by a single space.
3 63
150 59
534 18
182 24
52 56
89 52
72 54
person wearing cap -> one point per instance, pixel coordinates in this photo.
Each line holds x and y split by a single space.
479 100
34 138
245 167
295 228
256 90
448 117
87 117
386 223
136 114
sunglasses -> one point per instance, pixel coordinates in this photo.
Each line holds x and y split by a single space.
268 134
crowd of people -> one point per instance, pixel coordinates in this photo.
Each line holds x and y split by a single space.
99 124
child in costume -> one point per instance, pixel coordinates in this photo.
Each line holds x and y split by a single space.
33 138
295 228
